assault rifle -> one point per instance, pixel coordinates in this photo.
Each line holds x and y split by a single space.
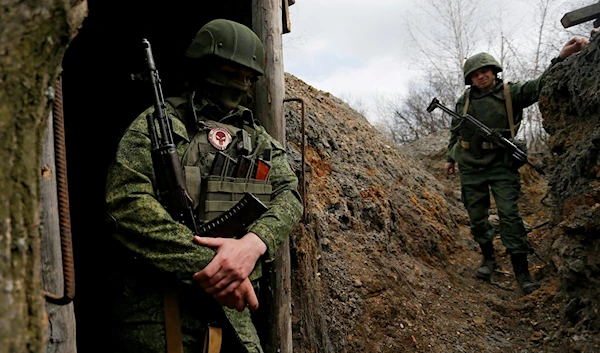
491 135
170 188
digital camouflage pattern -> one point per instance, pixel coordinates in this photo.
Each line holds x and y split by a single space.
154 252
481 169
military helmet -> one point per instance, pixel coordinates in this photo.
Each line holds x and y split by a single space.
231 41
478 61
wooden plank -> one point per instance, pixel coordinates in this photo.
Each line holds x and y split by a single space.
287 25
584 14
61 336
268 108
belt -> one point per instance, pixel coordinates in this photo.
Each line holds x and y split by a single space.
484 145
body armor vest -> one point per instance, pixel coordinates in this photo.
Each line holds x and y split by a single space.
217 189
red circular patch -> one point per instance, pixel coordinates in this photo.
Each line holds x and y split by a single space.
219 137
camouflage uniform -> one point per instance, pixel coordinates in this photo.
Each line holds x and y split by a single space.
481 169
154 251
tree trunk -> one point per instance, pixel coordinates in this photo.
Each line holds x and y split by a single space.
33 39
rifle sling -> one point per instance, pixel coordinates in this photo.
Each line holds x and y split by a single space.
212 340
172 322
509 109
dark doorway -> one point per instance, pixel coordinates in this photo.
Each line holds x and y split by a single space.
100 101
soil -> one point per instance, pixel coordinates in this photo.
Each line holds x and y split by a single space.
384 261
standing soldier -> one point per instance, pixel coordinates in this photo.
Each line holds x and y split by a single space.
484 166
176 291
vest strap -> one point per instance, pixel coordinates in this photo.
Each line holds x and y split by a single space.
509 109
466 106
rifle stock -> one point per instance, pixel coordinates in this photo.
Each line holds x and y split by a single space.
491 135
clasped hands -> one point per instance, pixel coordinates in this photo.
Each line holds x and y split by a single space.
226 276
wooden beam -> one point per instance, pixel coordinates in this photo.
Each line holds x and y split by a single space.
61 337
268 108
287 25
581 15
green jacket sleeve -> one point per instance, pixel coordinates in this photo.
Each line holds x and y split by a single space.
143 226
285 209
453 132
527 93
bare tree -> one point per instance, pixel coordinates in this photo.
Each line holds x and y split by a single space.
355 103
462 28
406 119
440 50
530 64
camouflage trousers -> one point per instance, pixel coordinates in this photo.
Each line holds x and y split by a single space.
505 185
139 313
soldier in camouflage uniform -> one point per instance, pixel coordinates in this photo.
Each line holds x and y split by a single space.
212 277
484 166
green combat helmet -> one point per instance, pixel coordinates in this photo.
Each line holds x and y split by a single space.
478 61
231 41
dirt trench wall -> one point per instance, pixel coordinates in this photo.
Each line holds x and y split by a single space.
570 104
374 217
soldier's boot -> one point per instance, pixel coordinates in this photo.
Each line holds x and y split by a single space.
521 268
488 263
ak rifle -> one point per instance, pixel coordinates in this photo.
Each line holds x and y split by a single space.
489 134
170 188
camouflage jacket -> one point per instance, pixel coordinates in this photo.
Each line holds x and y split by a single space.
154 249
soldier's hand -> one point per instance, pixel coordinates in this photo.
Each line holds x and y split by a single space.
243 296
233 263
574 45
450 168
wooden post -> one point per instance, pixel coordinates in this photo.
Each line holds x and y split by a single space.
285 15
581 15
61 336
269 95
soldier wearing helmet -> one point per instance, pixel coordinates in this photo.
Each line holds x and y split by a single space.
209 281
225 58
483 166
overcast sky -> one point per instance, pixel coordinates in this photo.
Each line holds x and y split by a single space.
350 48
356 49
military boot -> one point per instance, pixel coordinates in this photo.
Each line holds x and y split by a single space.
488 263
527 283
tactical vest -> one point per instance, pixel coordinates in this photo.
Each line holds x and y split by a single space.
469 140
216 192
